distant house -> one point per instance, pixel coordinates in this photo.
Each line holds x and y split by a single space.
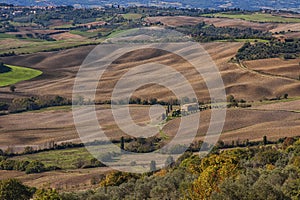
190 107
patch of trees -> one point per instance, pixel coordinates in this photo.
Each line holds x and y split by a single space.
143 145
36 103
206 33
253 173
277 98
232 102
290 49
13 189
7 27
269 172
26 166
11 53
4 68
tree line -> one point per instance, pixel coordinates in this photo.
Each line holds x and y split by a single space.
290 49
205 33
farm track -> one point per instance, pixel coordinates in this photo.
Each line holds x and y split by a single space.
242 66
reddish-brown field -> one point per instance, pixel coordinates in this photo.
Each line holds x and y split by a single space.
66 36
68 180
224 22
40 127
60 68
286 27
252 124
276 66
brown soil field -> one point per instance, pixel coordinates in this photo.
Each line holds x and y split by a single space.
288 106
218 22
292 35
65 180
66 36
249 124
40 127
37 128
286 27
276 66
60 68
224 22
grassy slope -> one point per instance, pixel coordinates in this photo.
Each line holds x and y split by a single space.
256 17
65 158
61 158
17 74
132 16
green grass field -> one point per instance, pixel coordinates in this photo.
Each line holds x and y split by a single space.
132 16
4 36
17 74
65 159
85 33
256 17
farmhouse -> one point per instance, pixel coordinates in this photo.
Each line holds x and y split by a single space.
190 107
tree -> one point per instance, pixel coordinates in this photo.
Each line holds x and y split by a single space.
169 162
213 171
13 189
163 116
122 143
12 88
35 167
46 194
153 166
265 140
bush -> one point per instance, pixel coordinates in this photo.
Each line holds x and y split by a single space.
35 167
13 189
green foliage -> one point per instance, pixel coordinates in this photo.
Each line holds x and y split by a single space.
289 49
122 143
13 189
206 33
143 145
12 88
117 178
265 140
62 158
267 156
46 194
4 68
257 173
35 167
36 103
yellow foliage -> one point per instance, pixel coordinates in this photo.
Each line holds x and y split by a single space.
270 167
213 171
116 178
161 173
